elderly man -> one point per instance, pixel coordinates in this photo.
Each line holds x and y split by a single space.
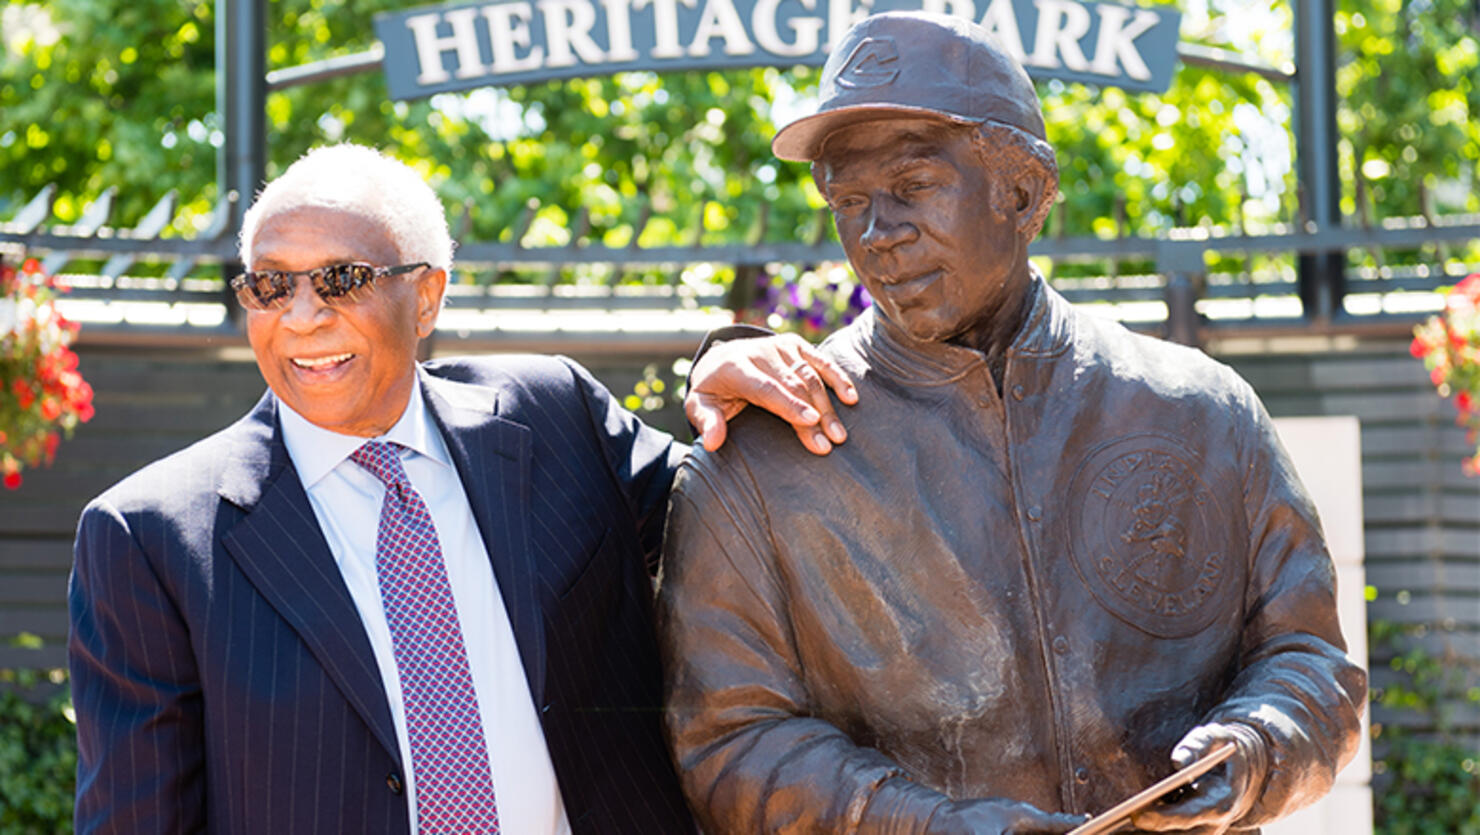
1053 559
393 597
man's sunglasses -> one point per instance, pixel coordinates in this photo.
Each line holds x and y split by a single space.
335 284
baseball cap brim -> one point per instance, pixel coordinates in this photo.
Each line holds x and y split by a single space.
801 141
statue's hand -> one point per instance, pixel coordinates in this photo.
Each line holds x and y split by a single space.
1219 798
782 374
999 817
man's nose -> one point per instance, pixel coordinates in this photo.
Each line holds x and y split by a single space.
306 310
887 226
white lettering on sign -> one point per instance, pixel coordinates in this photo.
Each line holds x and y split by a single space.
457 47
619 31
568 32
806 29
1117 41
720 20
1061 23
508 29
429 47
665 26
842 14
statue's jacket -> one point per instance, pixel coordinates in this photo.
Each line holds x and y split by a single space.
1030 595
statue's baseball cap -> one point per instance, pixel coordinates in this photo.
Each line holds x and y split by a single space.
911 65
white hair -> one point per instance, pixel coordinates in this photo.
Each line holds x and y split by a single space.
367 182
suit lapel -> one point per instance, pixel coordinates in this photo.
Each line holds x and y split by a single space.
492 457
279 546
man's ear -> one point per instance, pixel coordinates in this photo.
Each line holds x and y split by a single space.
1031 189
429 291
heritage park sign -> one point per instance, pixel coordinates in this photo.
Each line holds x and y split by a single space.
464 45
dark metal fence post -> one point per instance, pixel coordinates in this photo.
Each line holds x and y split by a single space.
1183 265
241 105
1322 275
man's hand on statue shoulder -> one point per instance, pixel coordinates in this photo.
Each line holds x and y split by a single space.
782 374
999 817
1224 795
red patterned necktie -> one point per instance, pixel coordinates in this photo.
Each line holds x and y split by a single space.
454 789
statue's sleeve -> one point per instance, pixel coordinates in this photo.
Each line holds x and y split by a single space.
750 757
1295 684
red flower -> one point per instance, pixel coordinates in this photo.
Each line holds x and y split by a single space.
23 393
12 480
31 265
80 394
1419 347
1470 287
85 411
50 408
1462 400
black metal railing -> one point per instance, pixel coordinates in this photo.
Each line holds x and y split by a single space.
1165 283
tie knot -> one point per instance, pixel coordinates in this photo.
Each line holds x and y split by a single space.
383 461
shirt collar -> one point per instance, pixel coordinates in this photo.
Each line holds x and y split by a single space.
316 451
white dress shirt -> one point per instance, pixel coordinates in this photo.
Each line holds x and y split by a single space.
346 500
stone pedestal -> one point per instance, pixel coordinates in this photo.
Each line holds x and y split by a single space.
1327 452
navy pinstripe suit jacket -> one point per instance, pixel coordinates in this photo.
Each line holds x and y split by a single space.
221 676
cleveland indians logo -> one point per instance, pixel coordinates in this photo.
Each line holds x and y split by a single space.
1152 540
874 63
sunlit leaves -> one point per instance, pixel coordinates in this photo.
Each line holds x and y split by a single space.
1410 115
99 93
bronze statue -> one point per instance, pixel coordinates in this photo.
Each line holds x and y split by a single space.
1053 557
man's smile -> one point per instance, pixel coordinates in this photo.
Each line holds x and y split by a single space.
321 363
326 368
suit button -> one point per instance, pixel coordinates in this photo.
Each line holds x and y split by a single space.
1081 774
1017 392
1035 513
393 782
1061 645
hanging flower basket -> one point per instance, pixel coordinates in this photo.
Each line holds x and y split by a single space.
1449 345
42 397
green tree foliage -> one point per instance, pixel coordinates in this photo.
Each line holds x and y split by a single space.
99 94
95 94
38 753
1409 84
92 96
1426 778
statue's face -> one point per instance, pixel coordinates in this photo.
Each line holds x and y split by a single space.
931 235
